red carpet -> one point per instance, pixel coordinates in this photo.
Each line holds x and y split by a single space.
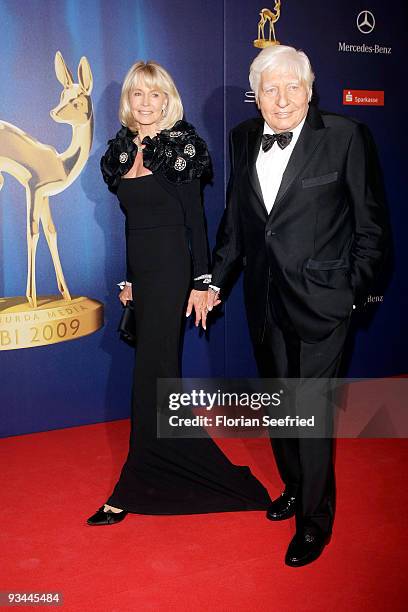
52 481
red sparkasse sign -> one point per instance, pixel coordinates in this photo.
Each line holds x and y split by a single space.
363 97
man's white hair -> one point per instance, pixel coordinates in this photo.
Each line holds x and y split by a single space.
283 59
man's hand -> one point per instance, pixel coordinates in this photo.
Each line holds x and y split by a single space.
125 294
212 299
198 302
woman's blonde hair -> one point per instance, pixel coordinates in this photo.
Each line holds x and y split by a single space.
154 76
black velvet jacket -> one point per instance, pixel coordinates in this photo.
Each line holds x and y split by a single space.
179 158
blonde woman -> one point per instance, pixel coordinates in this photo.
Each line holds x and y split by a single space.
154 166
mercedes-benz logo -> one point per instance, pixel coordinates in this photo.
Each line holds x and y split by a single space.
365 22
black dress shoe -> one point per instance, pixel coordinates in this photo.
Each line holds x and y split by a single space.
305 547
282 508
106 518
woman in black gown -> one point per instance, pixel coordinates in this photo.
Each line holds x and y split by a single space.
154 165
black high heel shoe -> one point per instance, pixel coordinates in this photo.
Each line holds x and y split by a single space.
106 518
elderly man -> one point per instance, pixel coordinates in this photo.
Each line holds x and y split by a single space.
306 210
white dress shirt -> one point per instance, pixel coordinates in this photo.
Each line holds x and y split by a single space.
271 165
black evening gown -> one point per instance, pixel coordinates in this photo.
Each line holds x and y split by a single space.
161 475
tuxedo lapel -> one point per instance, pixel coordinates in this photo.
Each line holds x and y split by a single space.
312 134
254 138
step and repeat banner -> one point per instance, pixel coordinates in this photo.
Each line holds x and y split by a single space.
62 245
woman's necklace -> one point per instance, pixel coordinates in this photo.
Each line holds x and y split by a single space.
138 144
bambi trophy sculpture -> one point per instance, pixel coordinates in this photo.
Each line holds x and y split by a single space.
271 16
44 172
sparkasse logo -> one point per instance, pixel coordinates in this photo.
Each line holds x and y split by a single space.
363 97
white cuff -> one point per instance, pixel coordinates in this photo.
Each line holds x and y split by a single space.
214 288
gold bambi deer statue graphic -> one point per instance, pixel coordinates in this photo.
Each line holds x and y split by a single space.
268 15
44 172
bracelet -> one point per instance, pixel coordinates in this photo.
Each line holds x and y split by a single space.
206 278
124 284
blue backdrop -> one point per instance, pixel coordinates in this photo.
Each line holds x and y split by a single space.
207 47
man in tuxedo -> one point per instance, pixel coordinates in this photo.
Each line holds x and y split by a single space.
306 213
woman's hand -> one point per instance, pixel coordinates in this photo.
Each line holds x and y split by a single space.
125 294
198 302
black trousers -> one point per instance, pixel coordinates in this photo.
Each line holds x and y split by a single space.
305 464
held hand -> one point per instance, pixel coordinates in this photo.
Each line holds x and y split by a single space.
212 299
198 302
125 295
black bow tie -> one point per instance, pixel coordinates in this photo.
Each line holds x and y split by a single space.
283 139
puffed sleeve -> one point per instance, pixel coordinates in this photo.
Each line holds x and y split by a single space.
190 194
118 158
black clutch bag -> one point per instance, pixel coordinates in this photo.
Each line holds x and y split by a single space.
127 323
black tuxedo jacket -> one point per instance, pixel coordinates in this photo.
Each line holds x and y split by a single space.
324 241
